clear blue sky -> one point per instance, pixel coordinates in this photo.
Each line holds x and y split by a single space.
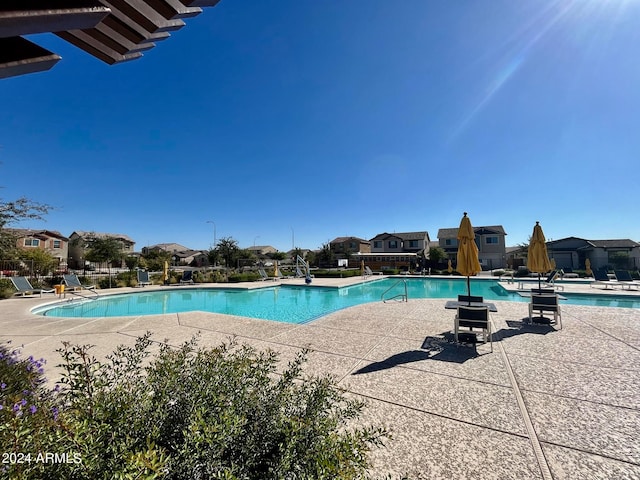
303 120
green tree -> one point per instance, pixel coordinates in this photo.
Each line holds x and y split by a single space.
154 260
619 260
40 261
437 254
228 248
279 256
325 256
105 250
14 212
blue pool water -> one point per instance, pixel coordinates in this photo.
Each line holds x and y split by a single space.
293 304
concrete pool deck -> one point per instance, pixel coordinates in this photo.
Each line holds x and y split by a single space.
545 404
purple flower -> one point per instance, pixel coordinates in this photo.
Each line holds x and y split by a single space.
16 407
1 406
33 409
23 402
3 386
55 412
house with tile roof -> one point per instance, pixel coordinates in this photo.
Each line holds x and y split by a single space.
344 245
51 241
404 242
79 242
572 252
489 239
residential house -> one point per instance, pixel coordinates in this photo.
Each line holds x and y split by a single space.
572 252
402 251
349 245
409 242
262 250
193 258
164 247
51 241
79 243
489 239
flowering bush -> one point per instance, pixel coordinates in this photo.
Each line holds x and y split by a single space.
185 413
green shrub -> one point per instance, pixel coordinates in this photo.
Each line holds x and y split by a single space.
29 423
7 290
337 273
218 413
243 277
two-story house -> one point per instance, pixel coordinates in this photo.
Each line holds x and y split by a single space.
51 241
349 245
396 250
405 242
80 241
489 239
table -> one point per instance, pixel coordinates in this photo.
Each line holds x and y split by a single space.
454 304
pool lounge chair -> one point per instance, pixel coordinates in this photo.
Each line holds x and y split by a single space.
73 283
24 287
600 277
624 278
550 281
187 277
143 278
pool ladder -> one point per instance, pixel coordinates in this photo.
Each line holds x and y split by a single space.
401 297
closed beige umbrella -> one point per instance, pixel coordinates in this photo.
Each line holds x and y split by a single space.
449 266
165 273
468 263
537 257
587 268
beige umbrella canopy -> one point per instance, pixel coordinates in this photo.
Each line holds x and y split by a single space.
449 266
537 257
468 263
165 273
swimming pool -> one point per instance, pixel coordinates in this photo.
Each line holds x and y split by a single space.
292 303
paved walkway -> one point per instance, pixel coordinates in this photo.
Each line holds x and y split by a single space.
545 404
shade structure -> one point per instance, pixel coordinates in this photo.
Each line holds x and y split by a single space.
468 262
587 268
276 273
449 266
537 258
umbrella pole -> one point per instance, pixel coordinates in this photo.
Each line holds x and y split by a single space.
539 284
469 289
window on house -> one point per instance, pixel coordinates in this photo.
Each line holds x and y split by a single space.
450 242
393 244
31 242
57 244
377 244
491 240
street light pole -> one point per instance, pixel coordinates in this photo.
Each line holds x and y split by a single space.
214 233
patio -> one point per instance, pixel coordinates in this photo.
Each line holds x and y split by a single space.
545 404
